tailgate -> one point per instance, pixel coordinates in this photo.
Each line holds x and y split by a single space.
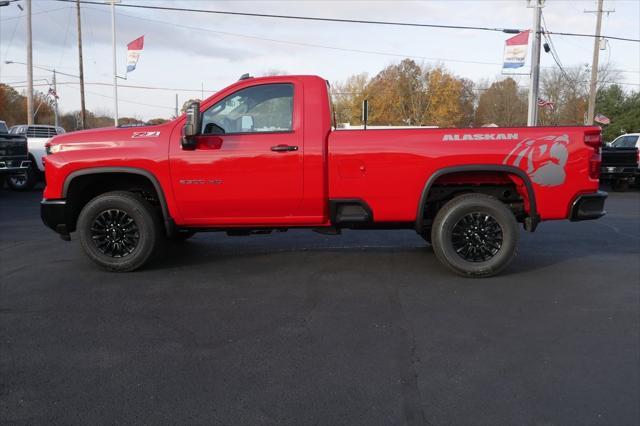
619 157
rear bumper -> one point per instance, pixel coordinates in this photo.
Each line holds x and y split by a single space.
588 206
56 214
618 172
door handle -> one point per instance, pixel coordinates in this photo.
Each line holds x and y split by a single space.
284 148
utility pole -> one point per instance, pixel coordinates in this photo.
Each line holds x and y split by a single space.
534 81
115 62
55 100
82 107
593 86
29 66
176 105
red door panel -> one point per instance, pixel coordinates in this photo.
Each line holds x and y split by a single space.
239 178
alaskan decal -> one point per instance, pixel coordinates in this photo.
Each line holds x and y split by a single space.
479 137
135 135
544 159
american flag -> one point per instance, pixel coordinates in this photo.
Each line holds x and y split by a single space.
542 103
599 118
52 93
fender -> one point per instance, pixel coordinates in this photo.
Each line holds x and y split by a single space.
168 221
531 222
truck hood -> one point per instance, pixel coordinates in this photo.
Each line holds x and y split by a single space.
111 137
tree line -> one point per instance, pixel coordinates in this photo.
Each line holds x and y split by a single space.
13 110
414 94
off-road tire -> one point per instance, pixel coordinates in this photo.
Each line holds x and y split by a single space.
454 213
24 181
146 219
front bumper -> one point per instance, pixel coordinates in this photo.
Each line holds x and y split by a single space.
588 206
56 215
10 167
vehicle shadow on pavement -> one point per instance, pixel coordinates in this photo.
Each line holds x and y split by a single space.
547 247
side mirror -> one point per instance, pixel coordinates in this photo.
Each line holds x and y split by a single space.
191 126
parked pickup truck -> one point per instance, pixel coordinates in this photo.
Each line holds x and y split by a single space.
621 161
14 154
262 155
37 136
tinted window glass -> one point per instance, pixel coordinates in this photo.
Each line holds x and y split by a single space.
625 142
257 109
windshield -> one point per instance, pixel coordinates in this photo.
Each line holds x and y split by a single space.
3 127
625 142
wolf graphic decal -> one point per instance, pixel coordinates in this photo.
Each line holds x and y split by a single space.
545 159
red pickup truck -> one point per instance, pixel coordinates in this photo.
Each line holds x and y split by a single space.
263 155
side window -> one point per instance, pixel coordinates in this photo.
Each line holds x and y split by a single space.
257 109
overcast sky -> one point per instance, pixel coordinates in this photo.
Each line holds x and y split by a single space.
194 51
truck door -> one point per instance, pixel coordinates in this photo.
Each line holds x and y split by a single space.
247 166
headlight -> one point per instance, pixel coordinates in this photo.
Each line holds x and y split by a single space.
52 149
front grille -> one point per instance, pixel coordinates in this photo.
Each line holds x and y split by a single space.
41 132
13 148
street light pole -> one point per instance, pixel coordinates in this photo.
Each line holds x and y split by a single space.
532 118
55 100
593 85
115 63
29 66
82 105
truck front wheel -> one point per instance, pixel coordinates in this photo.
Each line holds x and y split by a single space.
119 230
24 181
475 235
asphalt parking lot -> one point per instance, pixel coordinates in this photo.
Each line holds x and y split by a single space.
300 328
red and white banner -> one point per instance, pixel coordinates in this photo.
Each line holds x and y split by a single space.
602 119
133 53
515 50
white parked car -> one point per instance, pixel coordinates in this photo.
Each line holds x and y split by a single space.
628 140
37 137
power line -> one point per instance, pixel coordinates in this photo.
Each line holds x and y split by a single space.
296 43
93 93
17 84
34 13
553 51
340 20
130 102
315 45
305 18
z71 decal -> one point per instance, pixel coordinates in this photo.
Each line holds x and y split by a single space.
145 134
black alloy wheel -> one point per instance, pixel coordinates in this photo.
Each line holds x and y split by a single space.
120 230
115 233
477 237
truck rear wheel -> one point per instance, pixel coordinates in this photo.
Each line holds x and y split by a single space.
119 230
475 235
